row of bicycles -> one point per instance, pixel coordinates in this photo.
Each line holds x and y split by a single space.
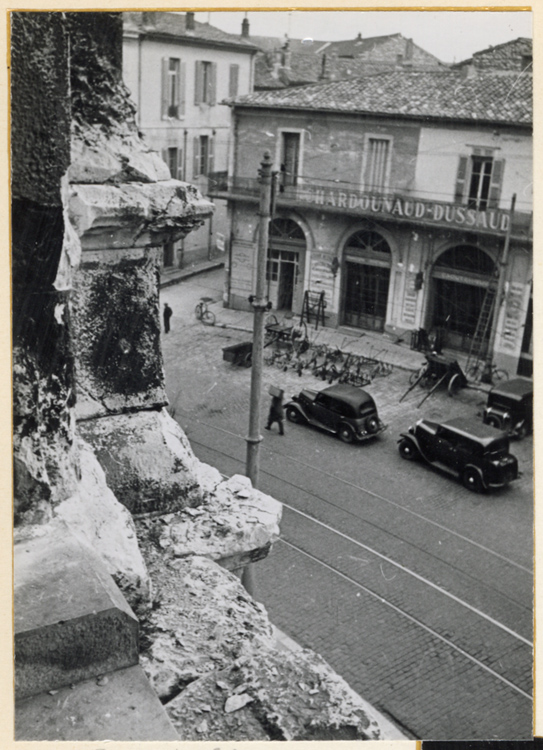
328 363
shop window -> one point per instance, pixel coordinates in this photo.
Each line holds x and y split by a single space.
479 180
205 88
173 100
376 172
203 156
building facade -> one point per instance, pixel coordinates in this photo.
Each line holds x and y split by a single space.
394 199
179 72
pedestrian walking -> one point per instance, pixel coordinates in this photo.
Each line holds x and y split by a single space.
276 414
167 314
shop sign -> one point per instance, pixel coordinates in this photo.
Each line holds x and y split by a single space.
407 208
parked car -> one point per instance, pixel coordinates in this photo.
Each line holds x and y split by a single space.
473 452
510 407
344 410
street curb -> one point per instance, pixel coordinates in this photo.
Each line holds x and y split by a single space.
189 273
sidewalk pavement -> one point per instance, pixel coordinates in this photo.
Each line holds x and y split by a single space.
389 348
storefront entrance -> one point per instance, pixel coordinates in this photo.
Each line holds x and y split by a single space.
366 275
286 246
460 279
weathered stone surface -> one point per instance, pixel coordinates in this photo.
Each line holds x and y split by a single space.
118 361
95 516
202 619
212 657
136 214
147 460
71 621
125 708
273 695
115 158
236 520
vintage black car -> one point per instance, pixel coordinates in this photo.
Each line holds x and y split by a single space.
510 407
344 410
473 452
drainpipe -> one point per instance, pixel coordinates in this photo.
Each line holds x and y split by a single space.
487 372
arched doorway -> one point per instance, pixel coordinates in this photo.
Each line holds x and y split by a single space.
460 278
285 256
366 273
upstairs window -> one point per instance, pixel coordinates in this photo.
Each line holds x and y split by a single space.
205 85
173 95
290 159
377 164
479 180
203 156
233 82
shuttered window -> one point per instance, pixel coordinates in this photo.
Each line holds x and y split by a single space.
203 156
377 161
205 84
479 180
233 82
173 88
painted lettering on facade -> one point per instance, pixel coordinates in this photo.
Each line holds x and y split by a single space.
514 317
407 208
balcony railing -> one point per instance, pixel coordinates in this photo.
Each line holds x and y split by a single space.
394 205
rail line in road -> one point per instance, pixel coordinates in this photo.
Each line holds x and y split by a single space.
468 633
416 621
375 495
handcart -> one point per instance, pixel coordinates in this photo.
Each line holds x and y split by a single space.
436 371
239 354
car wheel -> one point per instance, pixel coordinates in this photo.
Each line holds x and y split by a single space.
372 425
408 450
494 421
472 479
293 415
346 434
248 359
522 431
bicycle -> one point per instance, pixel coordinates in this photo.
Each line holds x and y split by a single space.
479 369
203 313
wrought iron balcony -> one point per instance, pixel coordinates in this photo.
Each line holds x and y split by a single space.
400 206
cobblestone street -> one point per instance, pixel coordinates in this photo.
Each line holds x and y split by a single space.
414 589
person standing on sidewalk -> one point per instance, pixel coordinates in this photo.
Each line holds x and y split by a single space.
276 414
167 314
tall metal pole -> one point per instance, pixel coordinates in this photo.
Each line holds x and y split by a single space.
502 268
259 302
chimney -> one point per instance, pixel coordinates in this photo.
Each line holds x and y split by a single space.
276 63
189 20
286 56
359 37
408 49
469 71
245 27
148 18
329 67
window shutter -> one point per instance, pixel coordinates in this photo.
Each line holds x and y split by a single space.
212 99
198 82
211 155
461 179
496 183
196 158
165 69
234 81
181 89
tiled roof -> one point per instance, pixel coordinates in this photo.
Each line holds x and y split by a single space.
506 56
174 24
449 94
354 47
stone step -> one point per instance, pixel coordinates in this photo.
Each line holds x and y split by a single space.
71 621
121 706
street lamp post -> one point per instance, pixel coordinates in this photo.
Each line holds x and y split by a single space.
259 302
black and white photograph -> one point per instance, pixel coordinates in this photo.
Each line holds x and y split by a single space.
272 375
